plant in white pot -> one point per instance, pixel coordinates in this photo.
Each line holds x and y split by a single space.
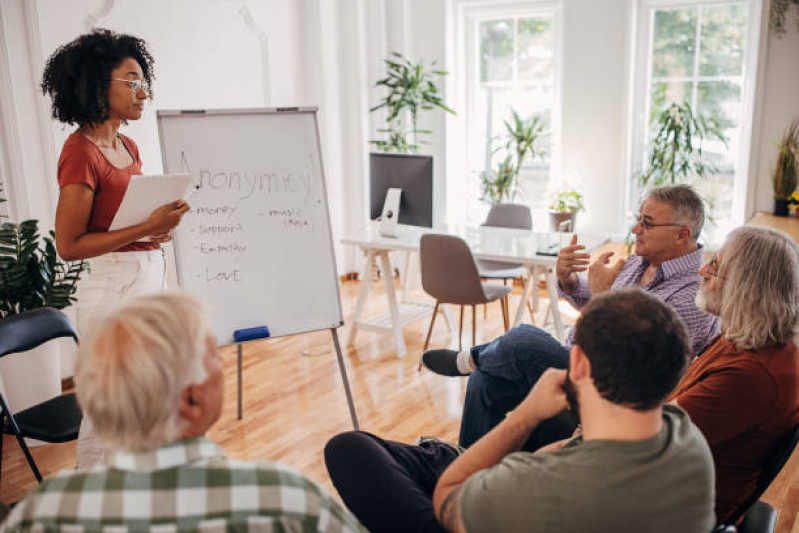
33 276
566 203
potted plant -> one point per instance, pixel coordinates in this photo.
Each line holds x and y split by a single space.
33 276
676 149
778 15
411 88
522 139
784 177
566 203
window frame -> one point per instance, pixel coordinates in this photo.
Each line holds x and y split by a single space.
465 43
642 80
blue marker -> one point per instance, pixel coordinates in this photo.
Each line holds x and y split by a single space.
251 334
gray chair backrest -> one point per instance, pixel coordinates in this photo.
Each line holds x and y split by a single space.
449 273
509 216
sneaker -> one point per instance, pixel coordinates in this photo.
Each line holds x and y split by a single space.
426 439
443 362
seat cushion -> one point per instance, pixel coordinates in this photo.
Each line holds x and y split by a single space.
494 291
500 270
56 420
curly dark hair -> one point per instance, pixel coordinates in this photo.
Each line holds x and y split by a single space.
638 347
77 74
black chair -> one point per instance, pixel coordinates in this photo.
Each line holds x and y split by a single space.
56 420
760 517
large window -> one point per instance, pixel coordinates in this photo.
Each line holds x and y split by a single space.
511 64
697 54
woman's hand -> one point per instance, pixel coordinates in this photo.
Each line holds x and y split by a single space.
161 238
166 217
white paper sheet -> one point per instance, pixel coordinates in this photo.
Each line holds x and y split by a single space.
145 194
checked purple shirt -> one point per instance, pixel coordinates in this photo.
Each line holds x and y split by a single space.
676 282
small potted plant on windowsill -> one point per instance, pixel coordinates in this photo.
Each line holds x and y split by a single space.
566 203
784 178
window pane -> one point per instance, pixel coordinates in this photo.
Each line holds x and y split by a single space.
722 40
721 100
674 43
535 49
496 50
664 93
526 101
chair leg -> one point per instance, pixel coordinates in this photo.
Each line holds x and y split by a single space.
474 325
460 332
532 317
503 302
5 413
430 329
485 311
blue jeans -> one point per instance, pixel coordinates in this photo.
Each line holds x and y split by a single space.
506 370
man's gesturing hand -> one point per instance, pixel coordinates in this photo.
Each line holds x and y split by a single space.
601 276
570 262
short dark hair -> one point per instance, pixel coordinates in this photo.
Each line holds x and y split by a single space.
637 345
77 75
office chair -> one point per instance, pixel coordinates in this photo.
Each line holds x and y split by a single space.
55 420
450 275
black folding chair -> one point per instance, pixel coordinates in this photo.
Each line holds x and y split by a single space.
55 420
760 517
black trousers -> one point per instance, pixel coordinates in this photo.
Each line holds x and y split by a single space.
389 485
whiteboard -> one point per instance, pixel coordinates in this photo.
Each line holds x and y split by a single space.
256 243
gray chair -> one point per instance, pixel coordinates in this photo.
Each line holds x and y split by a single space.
450 275
514 216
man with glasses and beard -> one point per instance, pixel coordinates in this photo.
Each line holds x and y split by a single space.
665 263
638 465
743 390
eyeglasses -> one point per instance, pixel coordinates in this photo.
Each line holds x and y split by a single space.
645 224
135 85
713 267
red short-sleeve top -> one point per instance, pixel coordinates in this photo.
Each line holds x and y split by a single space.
82 162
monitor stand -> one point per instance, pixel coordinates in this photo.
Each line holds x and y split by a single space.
390 215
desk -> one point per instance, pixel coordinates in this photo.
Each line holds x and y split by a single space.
789 225
492 243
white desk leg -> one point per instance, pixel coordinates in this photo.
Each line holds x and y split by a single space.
406 284
363 291
553 303
535 271
392 304
528 287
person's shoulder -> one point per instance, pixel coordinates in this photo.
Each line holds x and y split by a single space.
684 437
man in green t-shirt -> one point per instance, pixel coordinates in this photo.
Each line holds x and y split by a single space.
636 466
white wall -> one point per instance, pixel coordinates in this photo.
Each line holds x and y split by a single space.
779 105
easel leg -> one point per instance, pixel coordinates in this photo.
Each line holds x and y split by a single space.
344 379
239 355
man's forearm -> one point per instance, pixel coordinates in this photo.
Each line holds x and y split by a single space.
507 437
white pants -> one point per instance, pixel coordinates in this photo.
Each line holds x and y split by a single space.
114 277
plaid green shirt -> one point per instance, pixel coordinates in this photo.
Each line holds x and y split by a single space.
187 486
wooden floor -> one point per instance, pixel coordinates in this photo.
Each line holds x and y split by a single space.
294 402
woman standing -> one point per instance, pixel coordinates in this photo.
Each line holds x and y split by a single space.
100 81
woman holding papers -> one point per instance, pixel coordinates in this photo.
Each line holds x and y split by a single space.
100 81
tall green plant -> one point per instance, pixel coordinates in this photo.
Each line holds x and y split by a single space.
31 274
675 152
411 89
522 139
784 178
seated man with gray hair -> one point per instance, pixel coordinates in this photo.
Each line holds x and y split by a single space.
743 390
150 379
665 263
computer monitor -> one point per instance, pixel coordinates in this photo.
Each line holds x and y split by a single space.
411 173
